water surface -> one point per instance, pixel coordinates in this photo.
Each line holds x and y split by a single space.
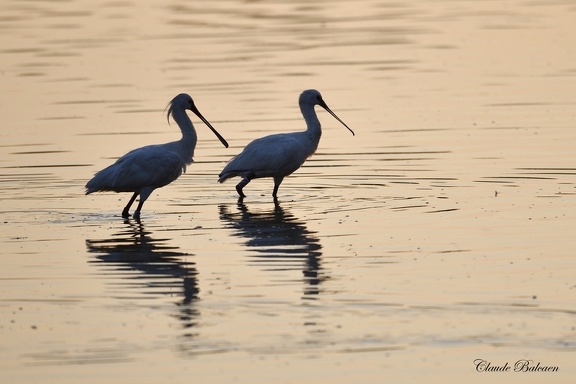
440 234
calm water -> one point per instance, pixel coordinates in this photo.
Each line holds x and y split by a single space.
442 233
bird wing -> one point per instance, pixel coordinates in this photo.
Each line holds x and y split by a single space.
151 166
268 156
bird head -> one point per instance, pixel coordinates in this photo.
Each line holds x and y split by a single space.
313 97
182 102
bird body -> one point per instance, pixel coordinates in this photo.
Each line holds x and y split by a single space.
152 165
145 169
273 155
279 155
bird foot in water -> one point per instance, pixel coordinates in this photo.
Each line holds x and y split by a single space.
241 185
239 190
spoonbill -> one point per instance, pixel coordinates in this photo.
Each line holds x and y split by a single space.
144 169
279 155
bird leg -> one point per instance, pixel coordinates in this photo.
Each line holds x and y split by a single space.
242 184
139 208
127 207
137 211
144 194
277 182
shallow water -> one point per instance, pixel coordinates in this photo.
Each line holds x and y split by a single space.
440 234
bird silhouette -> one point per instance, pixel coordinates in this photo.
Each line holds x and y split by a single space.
279 155
144 169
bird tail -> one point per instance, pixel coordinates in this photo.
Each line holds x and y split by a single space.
93 185
228 171
223 177
102 181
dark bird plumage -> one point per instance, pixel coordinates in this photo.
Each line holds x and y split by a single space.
144 169
279 155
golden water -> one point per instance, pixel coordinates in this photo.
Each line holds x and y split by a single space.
442 233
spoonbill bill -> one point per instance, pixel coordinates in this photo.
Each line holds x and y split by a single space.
144 169
279 155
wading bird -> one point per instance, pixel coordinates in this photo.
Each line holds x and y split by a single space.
143 170
279 155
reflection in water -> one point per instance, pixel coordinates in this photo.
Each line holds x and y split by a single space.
280 241
163 272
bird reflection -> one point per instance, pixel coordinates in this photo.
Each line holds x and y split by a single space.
280 241
150 266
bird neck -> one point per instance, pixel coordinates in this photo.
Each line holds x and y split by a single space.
188 132
313 126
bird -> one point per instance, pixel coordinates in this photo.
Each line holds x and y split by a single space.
144 169
279 155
